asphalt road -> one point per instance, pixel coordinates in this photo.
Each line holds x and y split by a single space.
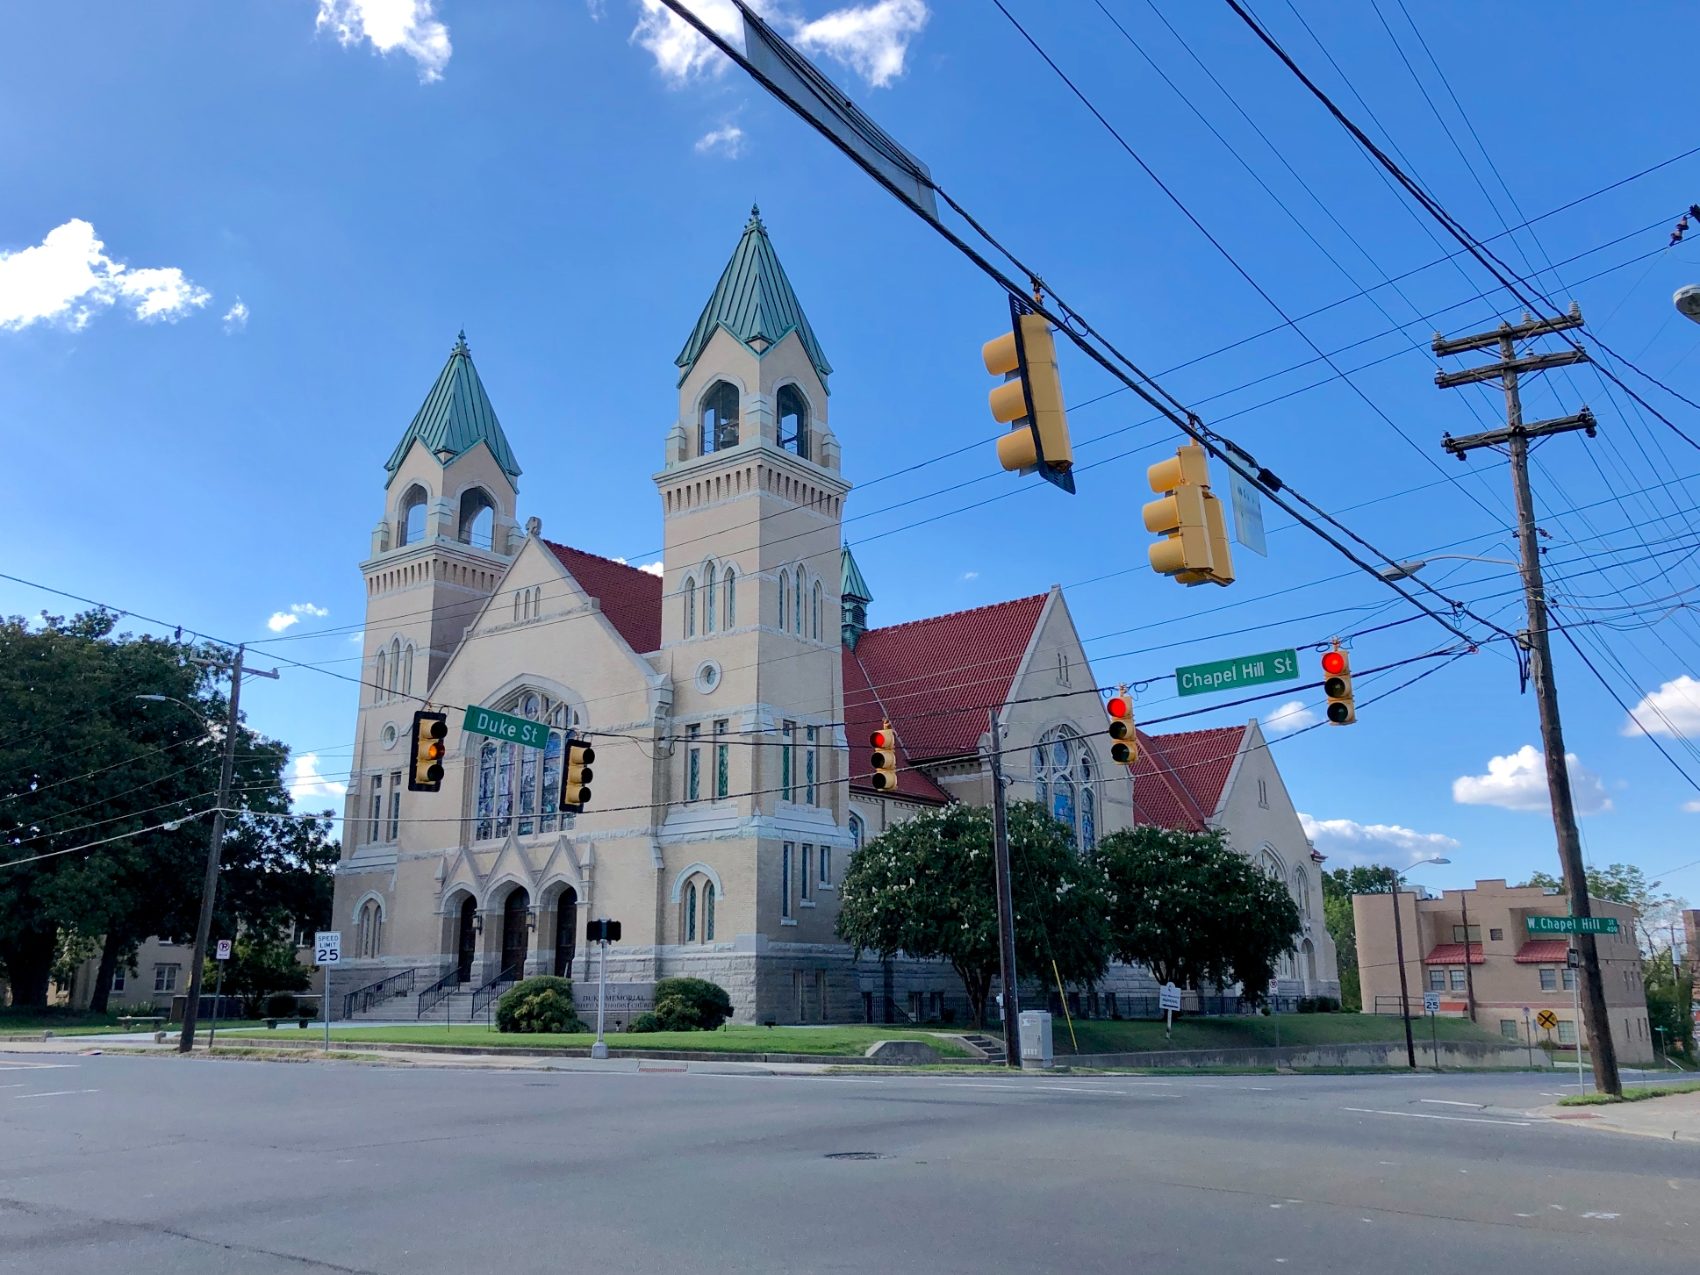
186 1166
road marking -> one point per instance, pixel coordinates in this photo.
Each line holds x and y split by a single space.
1430 1115
1448 1102
35 1066
1604 1217
51 1093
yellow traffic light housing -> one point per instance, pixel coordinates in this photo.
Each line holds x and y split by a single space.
1124 750
1030 399
430 730
883 760
1194 548
1337 686
576 776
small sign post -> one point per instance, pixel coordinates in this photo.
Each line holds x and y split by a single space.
601 932
327 951
1169 1000
1431 1007
221 955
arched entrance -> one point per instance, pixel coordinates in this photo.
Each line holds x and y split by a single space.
566 931
466 939
515 913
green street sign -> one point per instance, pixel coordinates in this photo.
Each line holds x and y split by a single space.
1230 675
505 726
1571 924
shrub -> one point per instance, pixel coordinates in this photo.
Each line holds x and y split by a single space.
691 1004
542 1004
280 1005
1327 1004
648 1021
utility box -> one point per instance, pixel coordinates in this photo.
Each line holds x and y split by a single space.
1035 1039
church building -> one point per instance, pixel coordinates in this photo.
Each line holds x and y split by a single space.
729 700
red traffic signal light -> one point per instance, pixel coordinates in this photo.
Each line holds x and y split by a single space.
1334 663
1337 686
1124 750
883 760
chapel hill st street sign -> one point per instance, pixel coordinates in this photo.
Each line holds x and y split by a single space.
1571 924
1231 675
505 726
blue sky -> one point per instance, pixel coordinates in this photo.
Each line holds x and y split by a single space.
239 241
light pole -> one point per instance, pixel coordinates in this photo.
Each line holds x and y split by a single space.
1399 953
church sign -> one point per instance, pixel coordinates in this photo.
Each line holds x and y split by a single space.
505 726
1231 675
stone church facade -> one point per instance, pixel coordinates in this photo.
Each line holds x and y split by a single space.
729 700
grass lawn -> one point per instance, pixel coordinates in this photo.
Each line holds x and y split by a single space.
734 1039
1099 1036
1633 1093
32 1023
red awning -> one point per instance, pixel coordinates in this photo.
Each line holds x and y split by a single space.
1453 954
1543 952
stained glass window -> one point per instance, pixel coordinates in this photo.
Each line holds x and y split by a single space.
708 912
731 597
722 762
691 913
518 789
708 583
1065 779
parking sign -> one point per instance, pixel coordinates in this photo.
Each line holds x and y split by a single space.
327 947
223 953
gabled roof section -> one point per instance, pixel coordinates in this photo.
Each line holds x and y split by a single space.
934 678
456 416
752 301
862 717
852 585
1178 779
630 598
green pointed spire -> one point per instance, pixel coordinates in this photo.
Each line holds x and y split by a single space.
754 302
456 416
854 596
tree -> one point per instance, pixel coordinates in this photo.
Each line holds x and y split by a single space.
104 798
262 961
925 888
1195 912
1338 887
1670 995
1655 909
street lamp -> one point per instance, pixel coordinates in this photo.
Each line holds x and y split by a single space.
1687 301
1399 952
1405 570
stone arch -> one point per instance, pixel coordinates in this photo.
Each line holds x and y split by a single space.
411 513
475 517
698 868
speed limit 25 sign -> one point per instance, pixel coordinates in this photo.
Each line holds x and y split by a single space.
327 947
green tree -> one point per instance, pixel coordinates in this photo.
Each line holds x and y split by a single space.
1670 993
103 801
262 961
1338 887
1193 911
925 888
1656 909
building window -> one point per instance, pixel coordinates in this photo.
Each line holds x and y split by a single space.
690 606
1301 892
1569 979
369 931
395 806
722 762
1458 983
709 581
377 808
856 832
826 865
1064 782
793 421
811 764
1496 935
519 789
410 526
165 978
1263 793
1436 980
1508 1028
804 877
691 912
731 597
477 518
1458 934
1062 668
708 911
1549 980
784 596
118 976
787 784
693 762
814 611
1566 1032
785 880
395 667
380 687
407 670
719 418
797 607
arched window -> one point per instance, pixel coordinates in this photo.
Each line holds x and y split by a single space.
1065 783
477 518
731 598
407 670
696 911
708 911
784 595
410 517
719 422
395 666
856 831
1301 892
369 933
690 606
793 421
708 582
1271 863
798 599
691 912
814 612
519 788
380 688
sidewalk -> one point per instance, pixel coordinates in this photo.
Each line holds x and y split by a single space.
1674 1118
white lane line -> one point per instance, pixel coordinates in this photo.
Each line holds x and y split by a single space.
969 1084
1430 1115
1092 1089
51 1093
35 1066
1447 1102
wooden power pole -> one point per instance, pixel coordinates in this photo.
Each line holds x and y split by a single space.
1515 439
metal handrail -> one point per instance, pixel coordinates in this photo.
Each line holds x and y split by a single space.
439 991
493 990
387 988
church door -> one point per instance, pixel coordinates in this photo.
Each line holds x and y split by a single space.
566 932
467 945
514 916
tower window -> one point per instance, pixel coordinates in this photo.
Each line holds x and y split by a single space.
731 598
784 596
708 583
793 421
719 427
410 520
477 518
690 606
814 613
798 599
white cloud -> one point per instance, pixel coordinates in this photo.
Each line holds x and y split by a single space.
68 278
1291 716
310 784
872 39
236 318
282 620
654 568
1672 710
970 575
1692 807
1518 781
727 142
308 609
598 8
1360 843
408 25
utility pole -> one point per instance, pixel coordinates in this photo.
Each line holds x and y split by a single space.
1515 439
1469 973
1404 989
209 888
1006 902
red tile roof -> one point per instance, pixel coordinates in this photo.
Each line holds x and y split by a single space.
1453 954
862 717
631 599
1178 779
1543 952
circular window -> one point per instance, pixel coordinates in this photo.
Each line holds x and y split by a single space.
708 676
389 735
531 706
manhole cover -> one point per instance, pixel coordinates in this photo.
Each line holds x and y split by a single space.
854 1155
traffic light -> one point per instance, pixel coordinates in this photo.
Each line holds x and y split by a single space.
1337 685
1030 398
1125 750
883 759
429 732
1194 549
576 776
